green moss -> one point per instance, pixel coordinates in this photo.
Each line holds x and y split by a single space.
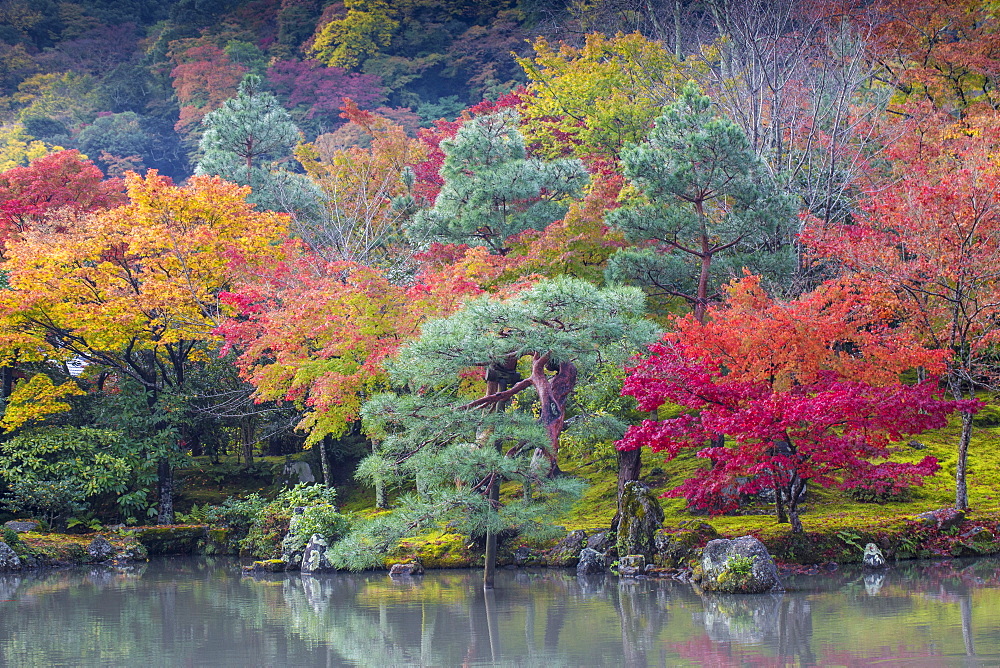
268 566
172 539
436 549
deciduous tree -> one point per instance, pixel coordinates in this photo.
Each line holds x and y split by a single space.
596 99
135 289
934 237
777 394
366 196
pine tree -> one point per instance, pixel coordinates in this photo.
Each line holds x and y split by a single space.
705 208
249 141
492 189
455 450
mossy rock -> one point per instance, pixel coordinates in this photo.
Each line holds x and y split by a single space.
678 548
566 553
266 566
640 518
173 539
436 550
220 540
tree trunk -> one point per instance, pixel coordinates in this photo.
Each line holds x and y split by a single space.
794 491
6 381
490 567
961 467
324 460
552 396
779 505
246 439
165 473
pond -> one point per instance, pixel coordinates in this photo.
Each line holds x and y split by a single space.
206 612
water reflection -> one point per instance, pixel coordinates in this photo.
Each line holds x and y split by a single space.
207 613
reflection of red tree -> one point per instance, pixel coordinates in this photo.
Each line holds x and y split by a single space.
705 652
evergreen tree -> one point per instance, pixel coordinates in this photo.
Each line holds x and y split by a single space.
492 189
249 140
705 208
455 450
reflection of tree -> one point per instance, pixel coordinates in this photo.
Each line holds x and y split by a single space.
196 612
642 619
779 621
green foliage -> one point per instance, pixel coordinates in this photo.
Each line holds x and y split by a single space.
322 519
117 135
49 500
492 190
249 141
85 461
266 522
84 524
237 515
703 207
446 451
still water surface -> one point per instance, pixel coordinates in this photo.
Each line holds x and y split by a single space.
205 612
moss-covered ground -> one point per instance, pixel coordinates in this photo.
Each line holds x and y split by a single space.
836 526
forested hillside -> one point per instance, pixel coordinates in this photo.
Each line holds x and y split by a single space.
428 246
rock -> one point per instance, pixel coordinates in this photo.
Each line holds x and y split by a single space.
591 562
266 566
567 551
525 556
314 558
22 526
873 559
295 472
676 549
943 518
601 540
100 549
9 561
291 547
631 566
409 568
640 518
738 566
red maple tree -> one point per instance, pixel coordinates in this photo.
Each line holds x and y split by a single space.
777 394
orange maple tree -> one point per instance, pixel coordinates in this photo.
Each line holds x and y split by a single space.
135 289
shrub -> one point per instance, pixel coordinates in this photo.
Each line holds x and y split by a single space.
881 483
48 500
260 525
323 520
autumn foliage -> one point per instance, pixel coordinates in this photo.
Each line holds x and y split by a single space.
777 394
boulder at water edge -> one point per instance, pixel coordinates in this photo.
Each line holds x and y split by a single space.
100 549
315 558
591 562
738 566
567 551
873 559
403 570
640 518
9 561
